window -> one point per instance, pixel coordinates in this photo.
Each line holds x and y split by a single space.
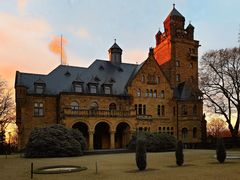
107 90
194 132
158 80
38 109
74 107
159 129
172 131
39 89
168 130
145 129
162 94
78 88
140 109
94 106
143 79
155 93
163 110
138 93
195 109
158 110
93 89
144 109
184 133
178 77
147 92
150 93
177 63
184 110
164 129
136 108
140 128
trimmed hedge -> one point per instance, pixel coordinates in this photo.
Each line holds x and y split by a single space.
179 154
221 152
155 142
54 141
141 157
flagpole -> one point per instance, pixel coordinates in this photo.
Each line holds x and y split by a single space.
61 51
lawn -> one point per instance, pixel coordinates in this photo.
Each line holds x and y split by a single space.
198 164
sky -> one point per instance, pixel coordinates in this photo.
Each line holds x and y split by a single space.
29 29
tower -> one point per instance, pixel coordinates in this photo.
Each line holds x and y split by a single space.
176 50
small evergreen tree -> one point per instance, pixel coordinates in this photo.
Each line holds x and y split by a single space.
179 154
141 155
221 152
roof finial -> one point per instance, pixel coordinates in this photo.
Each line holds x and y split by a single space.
190 22
173 5
115 40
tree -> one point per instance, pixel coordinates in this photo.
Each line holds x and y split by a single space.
220 84
7 109
216 127
179 154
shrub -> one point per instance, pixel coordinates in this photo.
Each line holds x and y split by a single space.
79 137
155 142
53 141
179 154
141 155
221 152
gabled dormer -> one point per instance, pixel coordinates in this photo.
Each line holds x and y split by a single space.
77 84
39 86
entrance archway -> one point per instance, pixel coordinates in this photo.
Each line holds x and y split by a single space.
122 136
83 128
102 136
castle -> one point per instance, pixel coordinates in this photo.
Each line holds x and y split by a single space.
110 100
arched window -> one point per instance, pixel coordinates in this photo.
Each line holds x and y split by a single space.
158 80
112 106
138 92
158 110
147 92
94 106
151 93
195 109
74 107
184 133
162 94
155 93
194 132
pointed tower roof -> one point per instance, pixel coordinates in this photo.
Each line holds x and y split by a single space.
174 12
190 26
114 46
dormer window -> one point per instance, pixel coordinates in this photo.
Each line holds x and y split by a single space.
93 88
39 89
39 86
78 88
107 90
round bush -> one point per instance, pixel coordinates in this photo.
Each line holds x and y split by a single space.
53 141
141 158
155 142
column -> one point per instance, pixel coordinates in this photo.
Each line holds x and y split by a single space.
91 133
112 140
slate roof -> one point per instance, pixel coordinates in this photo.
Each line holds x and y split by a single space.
99 72
174 12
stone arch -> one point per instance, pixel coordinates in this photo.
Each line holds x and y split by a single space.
102 135
122 134
83 128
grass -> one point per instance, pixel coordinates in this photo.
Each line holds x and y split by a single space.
198 164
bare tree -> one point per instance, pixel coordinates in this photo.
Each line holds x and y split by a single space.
220 84
7 108
216 127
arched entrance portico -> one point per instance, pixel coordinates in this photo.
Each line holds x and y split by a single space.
83 128
122 136
102 136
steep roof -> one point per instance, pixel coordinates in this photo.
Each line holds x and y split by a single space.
62 77
174 12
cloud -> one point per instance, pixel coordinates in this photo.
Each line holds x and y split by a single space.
81 33
24 46
22 5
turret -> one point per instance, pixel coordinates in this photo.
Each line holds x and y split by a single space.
115 54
